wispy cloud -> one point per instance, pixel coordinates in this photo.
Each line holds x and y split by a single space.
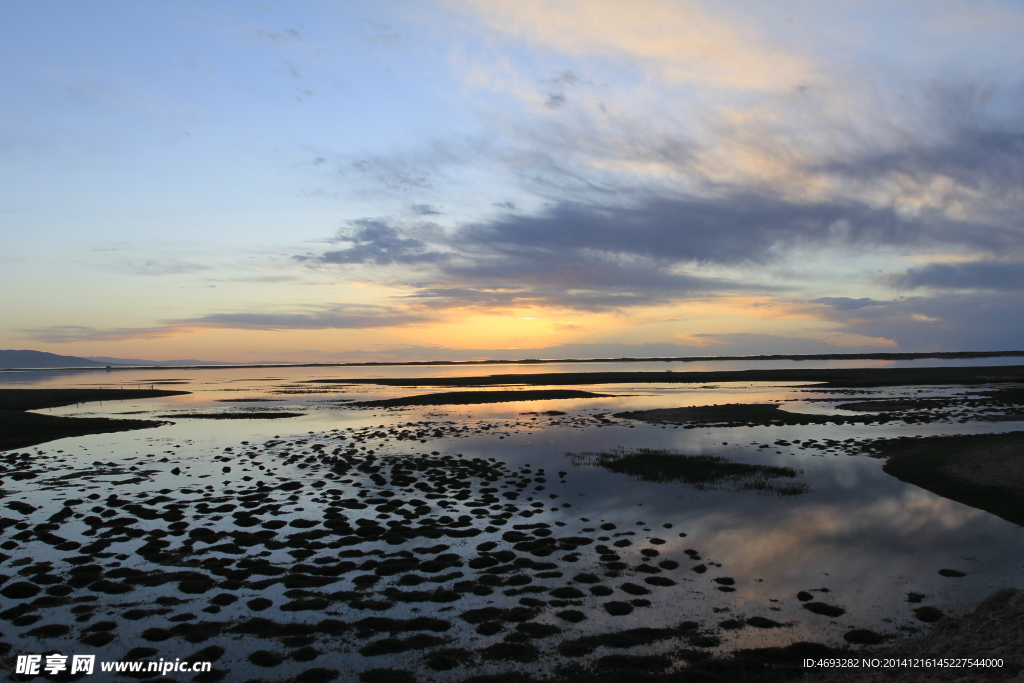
375 242
681 41
337 317
288 35
63 334
843 303
342 317
154 267
983 322
1007 276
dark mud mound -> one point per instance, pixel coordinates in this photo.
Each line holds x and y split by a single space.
740 414
249 400
36 399
234 415
19 429
883 405
998 405
702 472
461 398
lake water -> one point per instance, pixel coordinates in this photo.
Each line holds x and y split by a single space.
857 539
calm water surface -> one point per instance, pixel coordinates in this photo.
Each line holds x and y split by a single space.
866 537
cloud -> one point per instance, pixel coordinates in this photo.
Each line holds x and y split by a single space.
341 317
572 256
555 101
152 267
387 39
378 243
727 229
1006 276
612 237
599 257
61 334
288 35
566 79
945 322
334 317
961 139
425 210
683 42
592 299
576 280
843 303
665 189
395 175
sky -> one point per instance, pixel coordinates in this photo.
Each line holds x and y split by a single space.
463 179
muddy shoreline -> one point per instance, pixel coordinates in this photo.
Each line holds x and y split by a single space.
20 428
985 471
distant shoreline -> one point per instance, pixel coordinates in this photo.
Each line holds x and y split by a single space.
820 378
544 361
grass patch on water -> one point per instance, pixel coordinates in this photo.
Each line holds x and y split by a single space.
701 472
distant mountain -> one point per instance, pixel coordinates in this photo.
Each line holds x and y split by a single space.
10 358
105 360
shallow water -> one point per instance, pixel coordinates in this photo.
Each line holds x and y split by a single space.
866 537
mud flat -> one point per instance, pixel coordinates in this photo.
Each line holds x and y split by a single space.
234 415
20 428
739 414
840 377
985 471
991 632
391 568
354 555
37 399
462 398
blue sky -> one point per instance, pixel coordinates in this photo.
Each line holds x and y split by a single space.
408 180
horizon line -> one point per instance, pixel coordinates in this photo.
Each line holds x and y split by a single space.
545 361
